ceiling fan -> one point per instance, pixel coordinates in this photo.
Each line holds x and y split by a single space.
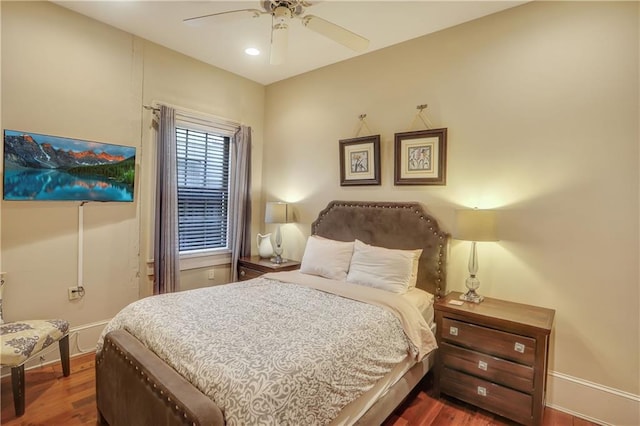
282 11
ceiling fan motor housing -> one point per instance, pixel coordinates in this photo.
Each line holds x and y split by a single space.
276 7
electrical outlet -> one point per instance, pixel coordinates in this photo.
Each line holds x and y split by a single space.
211 274
73 293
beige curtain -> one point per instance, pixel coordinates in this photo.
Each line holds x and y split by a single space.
240 197
166 265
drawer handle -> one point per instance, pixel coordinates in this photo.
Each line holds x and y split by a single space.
453 331
482 365
482 391
242 273
519 347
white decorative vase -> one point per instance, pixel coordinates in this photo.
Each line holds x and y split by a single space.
265 249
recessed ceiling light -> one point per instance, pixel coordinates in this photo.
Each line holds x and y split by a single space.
251 51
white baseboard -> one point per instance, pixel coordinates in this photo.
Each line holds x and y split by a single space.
591 401
82 339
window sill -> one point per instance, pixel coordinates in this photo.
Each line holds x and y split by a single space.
196 261
204 260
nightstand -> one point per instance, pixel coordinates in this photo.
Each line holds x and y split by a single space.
254 266
494 355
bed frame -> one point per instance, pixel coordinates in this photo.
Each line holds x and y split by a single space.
135 387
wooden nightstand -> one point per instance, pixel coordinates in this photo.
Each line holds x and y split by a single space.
494 355
254 266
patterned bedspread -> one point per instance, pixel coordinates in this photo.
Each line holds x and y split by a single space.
270 352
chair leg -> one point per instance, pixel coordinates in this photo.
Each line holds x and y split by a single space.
17 382
63 344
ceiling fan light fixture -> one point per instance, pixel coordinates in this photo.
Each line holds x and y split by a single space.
281 15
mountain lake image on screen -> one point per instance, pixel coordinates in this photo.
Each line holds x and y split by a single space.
50 168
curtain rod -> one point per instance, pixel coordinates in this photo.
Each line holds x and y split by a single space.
192 114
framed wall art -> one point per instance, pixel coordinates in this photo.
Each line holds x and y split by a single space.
360 161
421 157
41 167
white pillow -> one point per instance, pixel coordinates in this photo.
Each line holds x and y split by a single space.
327 258
387 269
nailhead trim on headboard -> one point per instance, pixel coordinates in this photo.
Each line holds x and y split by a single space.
418 209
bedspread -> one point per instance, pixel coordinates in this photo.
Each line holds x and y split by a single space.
269 352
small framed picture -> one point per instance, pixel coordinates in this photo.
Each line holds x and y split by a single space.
421 157
360 161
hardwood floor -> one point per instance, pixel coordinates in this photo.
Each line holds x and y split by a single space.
52 400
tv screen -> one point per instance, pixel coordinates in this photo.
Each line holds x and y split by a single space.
51 168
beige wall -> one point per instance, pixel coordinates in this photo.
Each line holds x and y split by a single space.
70 77
541 105
64 74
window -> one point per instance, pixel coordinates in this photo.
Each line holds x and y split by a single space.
203 189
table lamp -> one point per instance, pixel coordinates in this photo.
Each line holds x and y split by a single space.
474 225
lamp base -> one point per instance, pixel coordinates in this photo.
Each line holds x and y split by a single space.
277 250
277 259
472 296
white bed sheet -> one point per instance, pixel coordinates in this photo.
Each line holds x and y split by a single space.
356 409
423 300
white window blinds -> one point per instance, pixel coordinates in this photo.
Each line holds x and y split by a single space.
203 189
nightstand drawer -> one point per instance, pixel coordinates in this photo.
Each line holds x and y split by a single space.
511 374
498 399
494 342
245 273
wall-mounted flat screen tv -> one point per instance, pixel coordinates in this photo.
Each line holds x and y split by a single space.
50 168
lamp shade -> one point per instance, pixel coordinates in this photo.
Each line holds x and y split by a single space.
475 225
276 212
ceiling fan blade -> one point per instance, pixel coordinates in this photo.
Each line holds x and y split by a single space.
336 33
279 35
228 15
309 3
279 44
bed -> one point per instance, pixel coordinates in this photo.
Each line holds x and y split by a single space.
136 386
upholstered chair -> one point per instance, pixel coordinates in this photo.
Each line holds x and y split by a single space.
23 340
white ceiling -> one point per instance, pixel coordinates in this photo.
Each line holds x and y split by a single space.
221 42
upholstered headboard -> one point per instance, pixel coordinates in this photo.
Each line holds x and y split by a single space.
393 225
